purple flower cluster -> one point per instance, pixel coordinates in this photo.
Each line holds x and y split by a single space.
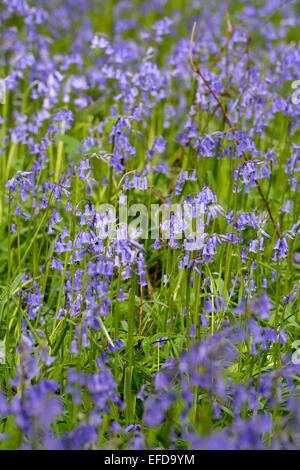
131 342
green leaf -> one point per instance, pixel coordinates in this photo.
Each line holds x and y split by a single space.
110 124
71 144
14 288
2 352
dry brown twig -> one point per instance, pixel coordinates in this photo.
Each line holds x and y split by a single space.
197 70
230 30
